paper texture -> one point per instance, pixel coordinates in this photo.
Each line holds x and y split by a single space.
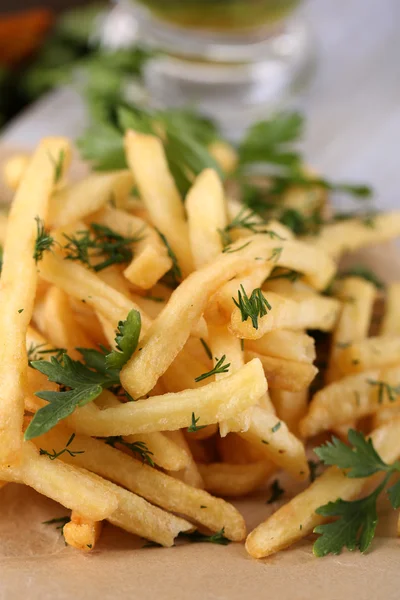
36 565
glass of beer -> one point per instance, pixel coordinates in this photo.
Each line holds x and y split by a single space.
235 60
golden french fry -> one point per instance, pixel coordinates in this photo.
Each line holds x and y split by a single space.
206 209
147 161
82 533
60 326
306 200
14 169
141 518
165 452
190 473
272 436
150 261
290 407
222 343
3 227
351 398
391 319
283 343
285 374
18 285
312 312
358 297
170 331
78 200
225 155
72 487
84 285
371 353
181 374
233 449
297 519
212 403
352 234
225 479
157 487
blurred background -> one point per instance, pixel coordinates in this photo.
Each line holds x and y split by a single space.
236 60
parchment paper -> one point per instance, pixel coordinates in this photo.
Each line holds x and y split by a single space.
36 565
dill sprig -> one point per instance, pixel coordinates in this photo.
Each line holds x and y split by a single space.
193 426
175 270
53 455
58 164
139 448
254 307
43 241
220 367
384 388
246 219
34 352
99 242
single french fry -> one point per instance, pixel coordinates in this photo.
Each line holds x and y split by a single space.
72 487
212 403
225 155
170 331
391 318
18 285
181 374
272 436
384 415
283 343
190 473
165 452
60 327
297 519
358 297
14 169
146 159
371 353
290 407
82 533
153 485
141 518
224 479
222 343
77 201
150 261
206 210
352 234
350 398
285 374
3 227
79 282
313 312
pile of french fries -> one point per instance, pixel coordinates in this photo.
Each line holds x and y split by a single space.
251 420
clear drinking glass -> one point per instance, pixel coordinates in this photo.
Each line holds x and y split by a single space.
234 60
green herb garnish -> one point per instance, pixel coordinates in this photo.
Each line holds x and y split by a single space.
43 241
53 455
139 448
357 519
194 427
215 538
276 492
254 307
220 367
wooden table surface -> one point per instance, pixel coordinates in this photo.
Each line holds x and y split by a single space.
352 105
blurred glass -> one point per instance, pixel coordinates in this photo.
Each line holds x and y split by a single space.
222 15
236 61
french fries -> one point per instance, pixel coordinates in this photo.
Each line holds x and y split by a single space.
297 518
205 205
146 422
18 285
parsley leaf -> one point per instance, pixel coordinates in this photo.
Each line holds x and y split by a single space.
355 528
362 460
126 339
